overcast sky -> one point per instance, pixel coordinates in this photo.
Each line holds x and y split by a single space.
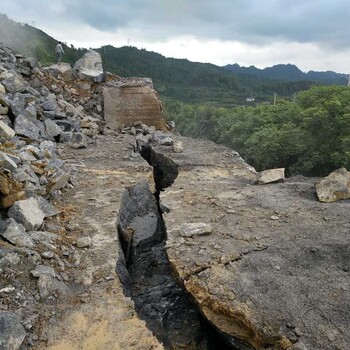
312 34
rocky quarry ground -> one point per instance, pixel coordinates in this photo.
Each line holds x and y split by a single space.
107 243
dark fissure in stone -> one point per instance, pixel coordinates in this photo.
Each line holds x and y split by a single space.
146 272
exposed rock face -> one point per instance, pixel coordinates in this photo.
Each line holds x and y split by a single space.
271 176
267 276
62 71
12 332
128 104
90 67
334 187
139 220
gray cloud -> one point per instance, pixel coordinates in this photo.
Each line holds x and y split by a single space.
252 21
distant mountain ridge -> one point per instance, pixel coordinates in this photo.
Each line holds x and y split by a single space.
290 72
180 79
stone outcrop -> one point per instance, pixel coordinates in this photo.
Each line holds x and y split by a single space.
271 176
269 266
90 67
126 105
334 187
42 112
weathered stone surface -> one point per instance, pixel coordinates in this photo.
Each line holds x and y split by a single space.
41 270
62 71
270 176
8 184
9 200
72 137
6 162
125 105
192 229
167 141
12 332
46 207
84 242
26 127
28 213
43 236
52 128
259 281
90 67
14 82
5 131
58 181
15 233
178 147
138 220
334 187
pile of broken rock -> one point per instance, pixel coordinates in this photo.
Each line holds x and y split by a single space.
37 111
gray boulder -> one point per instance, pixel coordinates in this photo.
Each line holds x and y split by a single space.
14 83
5 131
72 137
90 67
138 222
26 127
6 162
52 128
334 187
15 233
270 176
12 332
28 213
62 71
41 270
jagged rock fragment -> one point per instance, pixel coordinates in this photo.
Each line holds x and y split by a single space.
5 131
271 176
334 187
15 233
28 213
12 332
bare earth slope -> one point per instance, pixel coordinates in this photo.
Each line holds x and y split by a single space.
268 266
99 316
271 265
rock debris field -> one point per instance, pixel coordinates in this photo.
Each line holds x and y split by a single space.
220 262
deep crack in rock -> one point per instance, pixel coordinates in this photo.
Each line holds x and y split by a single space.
146 272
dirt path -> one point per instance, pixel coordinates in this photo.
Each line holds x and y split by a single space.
96 314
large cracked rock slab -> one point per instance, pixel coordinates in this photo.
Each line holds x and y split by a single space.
125 105
273 273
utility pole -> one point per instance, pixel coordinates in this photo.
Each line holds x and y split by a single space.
349 80
274 99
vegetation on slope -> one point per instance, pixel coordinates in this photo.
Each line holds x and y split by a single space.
180 79
310 136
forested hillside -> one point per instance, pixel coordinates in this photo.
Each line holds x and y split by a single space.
175 78
310 136
307 131
195 82
290 72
